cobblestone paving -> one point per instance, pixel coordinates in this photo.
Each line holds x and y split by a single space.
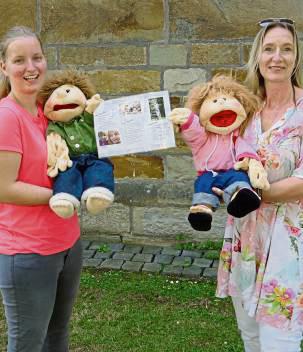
150 259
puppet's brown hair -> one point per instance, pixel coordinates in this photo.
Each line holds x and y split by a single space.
229 86
74 78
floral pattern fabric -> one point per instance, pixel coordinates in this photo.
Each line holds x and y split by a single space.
262 256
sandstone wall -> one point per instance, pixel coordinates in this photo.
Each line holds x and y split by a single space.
135 46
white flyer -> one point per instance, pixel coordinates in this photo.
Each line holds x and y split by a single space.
134 124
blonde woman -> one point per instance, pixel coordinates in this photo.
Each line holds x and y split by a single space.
261 264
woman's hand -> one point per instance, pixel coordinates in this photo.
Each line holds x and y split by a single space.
218 191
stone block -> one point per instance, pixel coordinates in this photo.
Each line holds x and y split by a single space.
111 264
103 255
151 192
136 192
88 253
85 244
202 262
171 221
237 73
171 251
182 261
51 56
116 247
210 272
175 193
215 264
113 220
163 259
146 240
193 254
152 268
96 244
14 13
125 82
101 237
211 20
123 255
172 270
216 54
151 249
168 55
75 57
131 248
181 80
246 51
91 262
143 257
132 166
105 21
132 266
192 272
180 168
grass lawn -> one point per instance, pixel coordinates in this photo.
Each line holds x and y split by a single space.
120 311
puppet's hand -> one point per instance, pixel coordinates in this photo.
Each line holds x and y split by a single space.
93 103
242 165
57 155
258 175
179 115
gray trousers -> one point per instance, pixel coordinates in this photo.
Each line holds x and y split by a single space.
38 294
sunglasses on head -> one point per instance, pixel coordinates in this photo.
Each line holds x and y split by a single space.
269 21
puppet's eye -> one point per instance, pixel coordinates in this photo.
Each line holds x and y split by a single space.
215 101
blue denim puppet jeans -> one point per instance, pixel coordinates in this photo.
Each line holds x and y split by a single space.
87 171
38 295
229 181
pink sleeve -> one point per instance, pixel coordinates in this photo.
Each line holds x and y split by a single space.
192 132
245 150
246 145
10 131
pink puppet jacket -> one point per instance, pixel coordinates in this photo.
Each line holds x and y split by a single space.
214 152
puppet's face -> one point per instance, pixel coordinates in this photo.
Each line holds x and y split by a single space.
221 114
65 103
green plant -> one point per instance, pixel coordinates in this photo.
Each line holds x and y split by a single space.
181 237
103 248
212 254
187 262
210 244
205 245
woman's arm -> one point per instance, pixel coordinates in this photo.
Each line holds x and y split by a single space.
289 189
17 192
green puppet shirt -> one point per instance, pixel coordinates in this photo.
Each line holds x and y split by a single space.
79 133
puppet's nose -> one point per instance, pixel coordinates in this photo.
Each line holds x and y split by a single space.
62 93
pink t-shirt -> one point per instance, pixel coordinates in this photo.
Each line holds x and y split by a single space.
30 229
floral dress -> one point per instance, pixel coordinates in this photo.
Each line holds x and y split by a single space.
262 257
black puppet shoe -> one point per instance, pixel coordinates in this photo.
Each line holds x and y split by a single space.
200 217
243 202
